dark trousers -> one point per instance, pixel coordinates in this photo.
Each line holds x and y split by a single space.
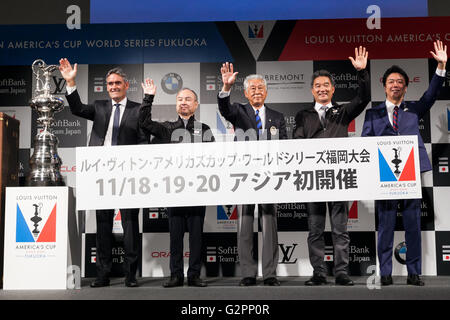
387 213
104 240
182 219
316 243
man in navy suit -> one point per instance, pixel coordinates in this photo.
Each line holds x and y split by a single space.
115 122
253 121
398 117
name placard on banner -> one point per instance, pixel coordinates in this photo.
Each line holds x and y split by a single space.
279 171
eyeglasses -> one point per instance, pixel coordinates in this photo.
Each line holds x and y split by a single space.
111 83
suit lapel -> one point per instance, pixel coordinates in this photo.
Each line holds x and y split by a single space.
269 118
108 110
251 115
384 114
125 115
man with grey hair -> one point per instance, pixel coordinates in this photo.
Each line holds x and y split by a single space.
259 123
115 122
326 119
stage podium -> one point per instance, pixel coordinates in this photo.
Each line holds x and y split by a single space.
42 242
9 168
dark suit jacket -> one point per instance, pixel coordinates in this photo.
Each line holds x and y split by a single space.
163 131
242 116
100 112
337 118
376 122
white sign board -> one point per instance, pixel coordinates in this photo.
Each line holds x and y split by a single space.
280 171
36 238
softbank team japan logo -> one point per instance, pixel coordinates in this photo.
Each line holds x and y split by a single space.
446 253
98 84
443 164
31 227
328 254
255 31
227 212
390 163
211 83
211 254
153 214
171 83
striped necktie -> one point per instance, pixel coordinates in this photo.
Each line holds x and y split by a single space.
395 119
258 122
116 125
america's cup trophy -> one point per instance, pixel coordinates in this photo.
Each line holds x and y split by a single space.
45 164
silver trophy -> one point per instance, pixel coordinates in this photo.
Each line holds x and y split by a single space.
45 164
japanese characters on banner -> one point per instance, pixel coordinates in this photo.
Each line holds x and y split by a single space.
276 171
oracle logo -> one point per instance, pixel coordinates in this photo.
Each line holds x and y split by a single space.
165 254
68 168
415 79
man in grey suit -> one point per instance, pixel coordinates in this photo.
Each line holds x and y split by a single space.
327 119
253 121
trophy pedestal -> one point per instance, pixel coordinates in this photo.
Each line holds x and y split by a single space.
42 241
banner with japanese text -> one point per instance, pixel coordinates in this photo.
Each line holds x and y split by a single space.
243 172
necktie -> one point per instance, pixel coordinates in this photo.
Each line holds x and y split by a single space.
258 122
116 124
395 119
322 114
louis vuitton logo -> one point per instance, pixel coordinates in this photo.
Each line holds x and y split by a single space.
60 84
287 251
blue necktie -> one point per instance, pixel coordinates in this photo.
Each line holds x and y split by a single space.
258 122
116 125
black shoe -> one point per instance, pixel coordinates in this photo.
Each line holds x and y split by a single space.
272 282
174 282
386 280
316 280
131 282
100 282
196 282
414 279
342 279
249 281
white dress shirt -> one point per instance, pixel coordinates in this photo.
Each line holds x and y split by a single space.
321 112
123 103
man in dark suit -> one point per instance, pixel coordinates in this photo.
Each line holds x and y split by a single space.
253 121
115 122
326 119
185 129
398 117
